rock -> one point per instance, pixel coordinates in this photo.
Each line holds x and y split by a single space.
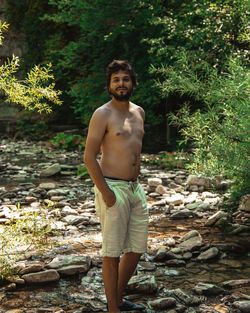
245 203
72 269
207 289
31 267
182 214
194 205
190 234
76 219
161 189
163 303
198 181
175 263
184 297
70 264
215 217
175 199
208 254
154 182
47 186
67 210
236 283
41 277
191 244
145 284
15 279
170 242
243 306
146 266
51 170
164 254
191 198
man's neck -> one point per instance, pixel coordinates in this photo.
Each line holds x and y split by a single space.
120 105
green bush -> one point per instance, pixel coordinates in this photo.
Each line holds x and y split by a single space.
219 133
82 171
31 129
170 160
27 231
68 141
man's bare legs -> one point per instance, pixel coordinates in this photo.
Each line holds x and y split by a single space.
127 267
110 267
116 276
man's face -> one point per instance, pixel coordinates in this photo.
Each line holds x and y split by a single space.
121 86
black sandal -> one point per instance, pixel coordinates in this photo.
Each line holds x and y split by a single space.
130 306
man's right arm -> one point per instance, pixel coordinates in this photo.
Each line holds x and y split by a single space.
96 132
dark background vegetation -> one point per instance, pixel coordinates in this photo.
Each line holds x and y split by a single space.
191 60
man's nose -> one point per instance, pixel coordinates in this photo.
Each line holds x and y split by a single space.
121 82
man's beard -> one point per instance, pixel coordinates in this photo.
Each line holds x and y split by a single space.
123 97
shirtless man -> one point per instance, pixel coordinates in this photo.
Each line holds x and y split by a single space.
116 129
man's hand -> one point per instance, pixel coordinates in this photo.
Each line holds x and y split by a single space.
109 198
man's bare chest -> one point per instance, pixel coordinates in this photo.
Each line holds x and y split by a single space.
126 128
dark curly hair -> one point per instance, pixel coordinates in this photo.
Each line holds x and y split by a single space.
120 65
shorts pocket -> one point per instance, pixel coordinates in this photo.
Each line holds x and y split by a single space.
116 199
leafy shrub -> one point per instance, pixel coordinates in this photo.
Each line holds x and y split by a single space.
28 231
219 133
31 129
68 141
170 160
82 171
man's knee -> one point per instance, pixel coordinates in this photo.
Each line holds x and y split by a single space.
111 260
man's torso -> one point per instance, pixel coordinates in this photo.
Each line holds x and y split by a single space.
122 142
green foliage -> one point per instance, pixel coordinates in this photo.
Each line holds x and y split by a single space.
82 171
27 231
36 92
31 129
68 141
220 131
170 160
80 40
206 30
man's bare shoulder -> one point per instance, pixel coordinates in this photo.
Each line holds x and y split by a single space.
103 111
138 109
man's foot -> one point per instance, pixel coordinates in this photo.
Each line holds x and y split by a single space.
130 306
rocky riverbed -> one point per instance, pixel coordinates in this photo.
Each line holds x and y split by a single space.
191 265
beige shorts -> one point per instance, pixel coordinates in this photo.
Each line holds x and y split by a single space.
125 224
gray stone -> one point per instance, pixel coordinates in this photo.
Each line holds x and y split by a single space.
198 181
76 219
215 217
190 234
32 267
41 277
47 186
185 298
236 283
145 284
245 203
191 244
243 306
163 303
208 254
65 261
175 199
154 182
207 289
161 189
182 214
51 170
